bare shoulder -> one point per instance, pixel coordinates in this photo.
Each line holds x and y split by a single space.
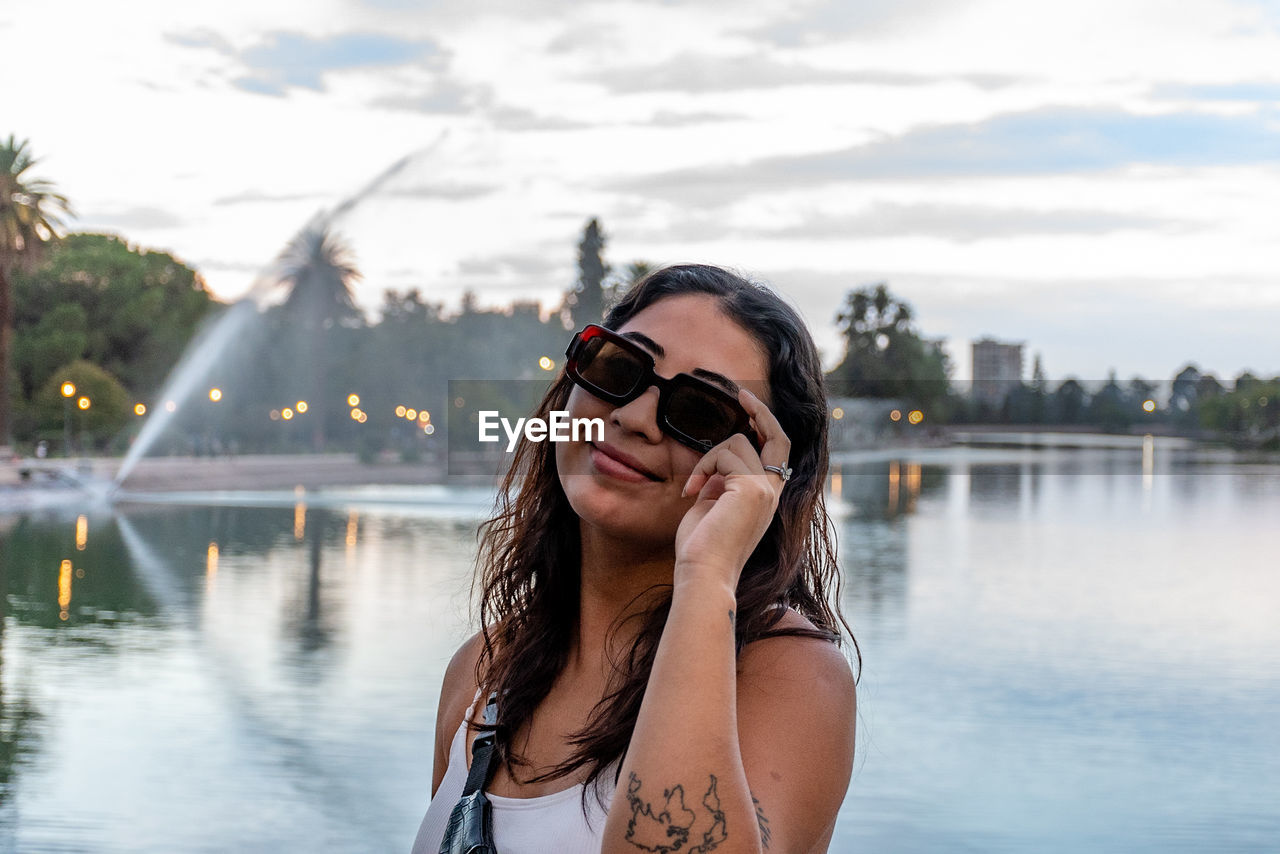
459 687
818 669
456 694
797 708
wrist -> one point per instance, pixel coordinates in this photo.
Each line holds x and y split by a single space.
705 583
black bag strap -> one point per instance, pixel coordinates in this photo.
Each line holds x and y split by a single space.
482 751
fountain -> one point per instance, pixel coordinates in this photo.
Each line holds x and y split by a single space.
214 341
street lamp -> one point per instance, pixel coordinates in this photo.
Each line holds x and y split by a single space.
83 403
68 392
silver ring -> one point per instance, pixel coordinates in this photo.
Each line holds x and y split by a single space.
782 471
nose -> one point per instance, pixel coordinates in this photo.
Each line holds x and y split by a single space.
640 416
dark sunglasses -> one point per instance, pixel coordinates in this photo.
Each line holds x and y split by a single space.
691 411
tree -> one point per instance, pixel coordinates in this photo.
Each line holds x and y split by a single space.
1039 391
1246 381
128 309
106 412
30 211
1137 393
619 284
585 303
884 355
319 271
1248 414
1069 401
1208 388
60 336
1184 396
1107 406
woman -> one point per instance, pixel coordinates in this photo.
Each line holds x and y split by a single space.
655 607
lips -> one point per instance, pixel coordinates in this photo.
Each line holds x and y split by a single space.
609 460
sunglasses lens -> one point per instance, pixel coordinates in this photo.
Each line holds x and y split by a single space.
609 368
701 415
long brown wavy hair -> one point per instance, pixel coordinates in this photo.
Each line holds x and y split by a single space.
529 551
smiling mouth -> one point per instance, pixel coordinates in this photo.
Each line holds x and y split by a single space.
622 468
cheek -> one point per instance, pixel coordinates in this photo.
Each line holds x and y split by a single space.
583 404
682 462
572 458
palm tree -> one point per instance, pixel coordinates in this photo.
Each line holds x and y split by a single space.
29 220
318 269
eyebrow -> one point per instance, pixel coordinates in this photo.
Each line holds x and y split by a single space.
701 373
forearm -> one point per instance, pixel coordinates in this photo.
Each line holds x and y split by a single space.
683 780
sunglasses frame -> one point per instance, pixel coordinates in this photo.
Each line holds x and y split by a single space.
666 387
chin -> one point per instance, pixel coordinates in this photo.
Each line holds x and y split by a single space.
633 514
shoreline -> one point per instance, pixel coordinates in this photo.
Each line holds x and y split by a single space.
244 472
29 483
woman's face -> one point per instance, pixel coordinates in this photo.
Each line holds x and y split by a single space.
629 485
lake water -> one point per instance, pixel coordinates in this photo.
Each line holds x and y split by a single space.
1062 651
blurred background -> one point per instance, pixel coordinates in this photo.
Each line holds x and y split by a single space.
248 255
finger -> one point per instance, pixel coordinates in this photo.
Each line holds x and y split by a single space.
742 446
719 460
775 447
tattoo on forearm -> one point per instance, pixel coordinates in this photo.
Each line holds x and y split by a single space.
671 826
763 821
733 618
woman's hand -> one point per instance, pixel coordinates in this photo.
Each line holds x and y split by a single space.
736 500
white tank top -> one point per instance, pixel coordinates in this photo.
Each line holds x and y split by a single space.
520 825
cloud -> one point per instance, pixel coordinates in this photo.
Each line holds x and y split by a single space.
834 20
284 59
673 119
522 266
445 96
1149 327
200 38
230 266
440 96
1039 142
257 196
960 223
697 74
903 78
134 217
966 222
442 190
518 118
1255 90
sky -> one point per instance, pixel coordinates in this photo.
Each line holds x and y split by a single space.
1097 180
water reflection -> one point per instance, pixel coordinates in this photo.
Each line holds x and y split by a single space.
1053 662
995 484
259 677
315 624
19 717
883 488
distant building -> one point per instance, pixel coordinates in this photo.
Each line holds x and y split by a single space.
997 368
